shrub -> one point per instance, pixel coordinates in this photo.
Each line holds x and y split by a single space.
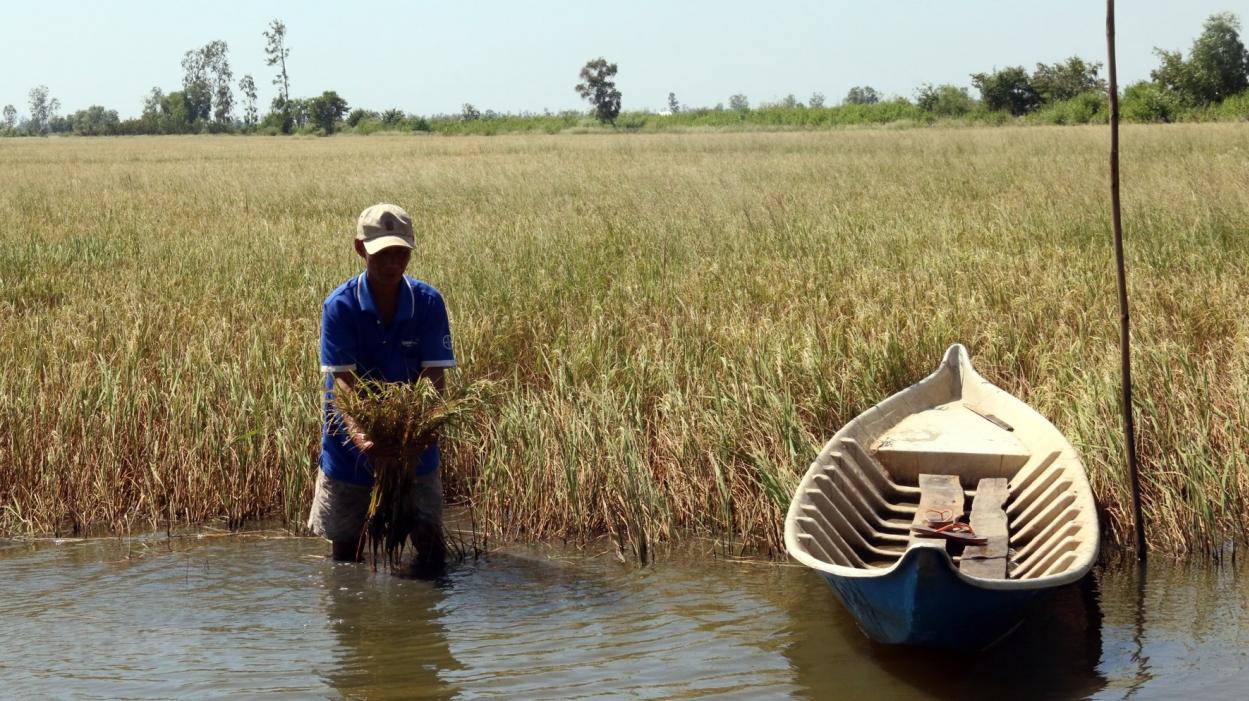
631 122
1235 107
1085 108
1149 102
358 115
944 100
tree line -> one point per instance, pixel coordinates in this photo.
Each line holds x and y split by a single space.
1214 74
205 104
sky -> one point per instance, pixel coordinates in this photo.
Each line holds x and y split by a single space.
432 57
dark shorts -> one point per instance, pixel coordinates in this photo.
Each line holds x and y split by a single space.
339 508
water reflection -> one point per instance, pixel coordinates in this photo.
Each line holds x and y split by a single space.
528 626
1139 658
1054 654
1175 631
390 639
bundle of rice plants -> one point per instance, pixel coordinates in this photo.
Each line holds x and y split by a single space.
404 419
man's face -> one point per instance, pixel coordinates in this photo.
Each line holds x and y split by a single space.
388 265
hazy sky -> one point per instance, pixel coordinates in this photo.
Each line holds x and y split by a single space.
431 57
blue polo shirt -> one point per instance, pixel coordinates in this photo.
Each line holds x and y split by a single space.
353 338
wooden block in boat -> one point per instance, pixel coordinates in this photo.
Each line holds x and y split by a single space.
946 438
989 521
940 496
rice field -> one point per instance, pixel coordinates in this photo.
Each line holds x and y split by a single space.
676 322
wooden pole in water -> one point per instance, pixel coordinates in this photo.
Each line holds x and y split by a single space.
1129 427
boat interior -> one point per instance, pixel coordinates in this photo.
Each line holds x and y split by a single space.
953 447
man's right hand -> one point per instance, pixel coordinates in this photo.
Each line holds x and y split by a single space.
371 448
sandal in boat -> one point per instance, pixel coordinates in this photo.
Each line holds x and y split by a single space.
937 518
956 531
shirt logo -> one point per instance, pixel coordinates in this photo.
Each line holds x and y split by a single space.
446 341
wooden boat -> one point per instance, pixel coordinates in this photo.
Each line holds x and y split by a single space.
921 456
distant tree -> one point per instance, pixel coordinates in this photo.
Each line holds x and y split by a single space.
862 95
196 85
1219 58
247 86
95 121
198 101
468 113
300 111
167 113
151 116
673 105
10 118
944 100
599 89
789 101
43 109
60 125
393 116
816 100
739 102
206 80
276 53
1217 67
217 60
1063 81
327 111
1175 76
287 116
1009 89
359 115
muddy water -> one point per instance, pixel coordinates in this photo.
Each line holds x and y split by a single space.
242 616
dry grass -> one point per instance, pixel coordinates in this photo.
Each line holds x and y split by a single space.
677 322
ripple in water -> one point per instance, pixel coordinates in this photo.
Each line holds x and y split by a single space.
242 616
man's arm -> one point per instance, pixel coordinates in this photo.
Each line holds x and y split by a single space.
438 376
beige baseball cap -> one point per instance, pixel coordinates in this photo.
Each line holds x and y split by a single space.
384 225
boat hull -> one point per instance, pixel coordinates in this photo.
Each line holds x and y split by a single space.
923 601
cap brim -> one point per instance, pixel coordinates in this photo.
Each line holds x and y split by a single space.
374 245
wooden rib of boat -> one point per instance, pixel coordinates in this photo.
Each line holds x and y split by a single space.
952 442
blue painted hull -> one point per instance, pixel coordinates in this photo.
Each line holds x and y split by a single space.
923 602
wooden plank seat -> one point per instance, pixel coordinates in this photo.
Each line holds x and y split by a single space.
940 497
988 520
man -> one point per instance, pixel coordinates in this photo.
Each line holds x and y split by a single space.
384 326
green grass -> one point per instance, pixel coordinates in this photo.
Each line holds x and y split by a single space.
677 321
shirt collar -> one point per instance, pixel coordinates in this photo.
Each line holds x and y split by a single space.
405 309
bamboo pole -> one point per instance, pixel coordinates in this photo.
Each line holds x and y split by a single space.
1129 427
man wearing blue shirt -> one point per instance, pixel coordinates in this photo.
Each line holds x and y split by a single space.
384 326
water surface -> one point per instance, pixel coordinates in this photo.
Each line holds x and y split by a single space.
213 617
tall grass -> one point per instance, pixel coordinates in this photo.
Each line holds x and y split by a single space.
677 322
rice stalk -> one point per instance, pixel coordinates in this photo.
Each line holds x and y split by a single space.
678 321
404 418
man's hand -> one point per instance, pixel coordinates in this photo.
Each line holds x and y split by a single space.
371 448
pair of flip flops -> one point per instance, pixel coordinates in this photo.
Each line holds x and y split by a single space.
943 526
